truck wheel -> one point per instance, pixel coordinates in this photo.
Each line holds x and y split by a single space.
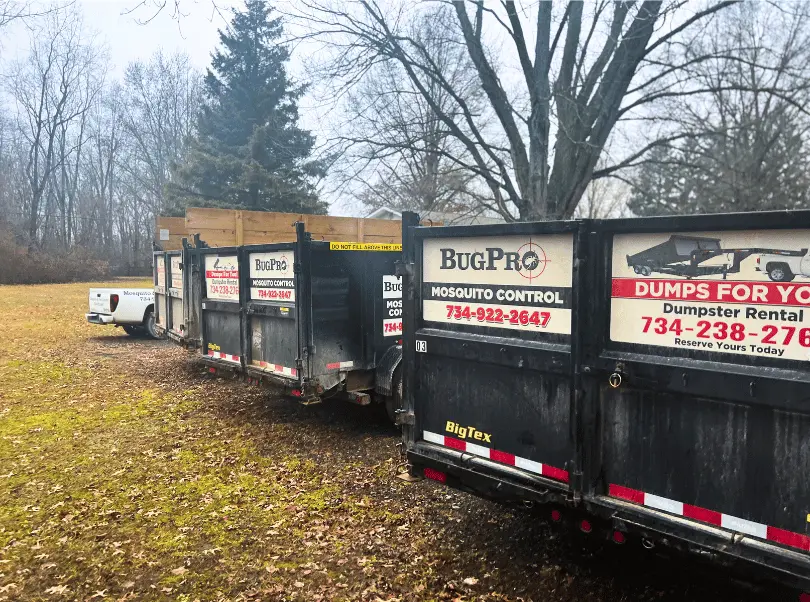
149 324
645 270
394 402
133 331
780 272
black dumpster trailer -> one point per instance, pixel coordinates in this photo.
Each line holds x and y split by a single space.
630 442
319 319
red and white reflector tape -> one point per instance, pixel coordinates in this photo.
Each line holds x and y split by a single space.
712 517
339 365
498 456
223 356
278 369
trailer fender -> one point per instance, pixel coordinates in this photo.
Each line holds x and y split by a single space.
385 370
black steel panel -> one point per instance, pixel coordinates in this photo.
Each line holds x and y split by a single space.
221 306
525 413
507 381
273 301
746 461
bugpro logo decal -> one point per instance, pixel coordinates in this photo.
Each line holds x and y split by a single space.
529 260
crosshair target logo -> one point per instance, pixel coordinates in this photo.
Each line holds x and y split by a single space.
533 260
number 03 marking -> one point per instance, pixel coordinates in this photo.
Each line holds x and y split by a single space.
421 346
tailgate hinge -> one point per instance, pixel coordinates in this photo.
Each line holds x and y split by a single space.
404 268
405 417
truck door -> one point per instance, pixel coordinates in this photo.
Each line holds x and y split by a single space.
487 358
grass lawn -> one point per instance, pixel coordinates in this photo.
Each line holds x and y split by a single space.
127 473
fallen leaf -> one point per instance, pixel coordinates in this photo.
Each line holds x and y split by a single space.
470 581
181 570
57 589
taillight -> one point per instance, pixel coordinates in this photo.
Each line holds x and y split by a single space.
758 258
585 526
296 393
113 302
619 537
435 475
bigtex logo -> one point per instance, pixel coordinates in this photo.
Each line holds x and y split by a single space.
467 432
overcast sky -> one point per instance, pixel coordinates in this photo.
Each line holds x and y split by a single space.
134 29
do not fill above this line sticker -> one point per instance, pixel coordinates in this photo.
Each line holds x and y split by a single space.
364 246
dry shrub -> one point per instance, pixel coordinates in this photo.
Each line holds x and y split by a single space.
19 266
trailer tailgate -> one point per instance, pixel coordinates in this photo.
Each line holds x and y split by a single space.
491 384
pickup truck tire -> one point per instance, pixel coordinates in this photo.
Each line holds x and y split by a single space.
133 331
149 324
780 272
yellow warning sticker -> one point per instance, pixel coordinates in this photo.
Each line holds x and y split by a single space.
364 246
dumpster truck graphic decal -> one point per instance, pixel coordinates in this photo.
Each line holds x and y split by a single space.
272 277
511 282
736 297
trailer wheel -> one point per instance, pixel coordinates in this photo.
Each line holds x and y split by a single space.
149 324
780 272
394 402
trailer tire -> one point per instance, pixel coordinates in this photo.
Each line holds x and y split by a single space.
780 272
149 324
393 402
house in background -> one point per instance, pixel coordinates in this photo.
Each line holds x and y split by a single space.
443 217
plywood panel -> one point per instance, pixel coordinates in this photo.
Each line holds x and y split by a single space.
177 231
226 227
198 218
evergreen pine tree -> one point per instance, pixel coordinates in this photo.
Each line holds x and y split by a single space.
249 152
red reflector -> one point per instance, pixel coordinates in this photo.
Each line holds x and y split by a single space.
585 527
296 392
113 302
212 370
805 597
556 516
435 475
399 342
619 537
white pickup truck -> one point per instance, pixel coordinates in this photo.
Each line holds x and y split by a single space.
784 266
131 308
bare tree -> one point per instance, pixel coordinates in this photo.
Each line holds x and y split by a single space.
53 88
397 147
742 146
17 10
163 98
591 64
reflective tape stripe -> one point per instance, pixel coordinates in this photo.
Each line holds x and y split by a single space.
224 356
718 519
276 368
339 365
497 456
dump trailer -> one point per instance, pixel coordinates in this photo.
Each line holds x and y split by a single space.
317 318
539 366
684 255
